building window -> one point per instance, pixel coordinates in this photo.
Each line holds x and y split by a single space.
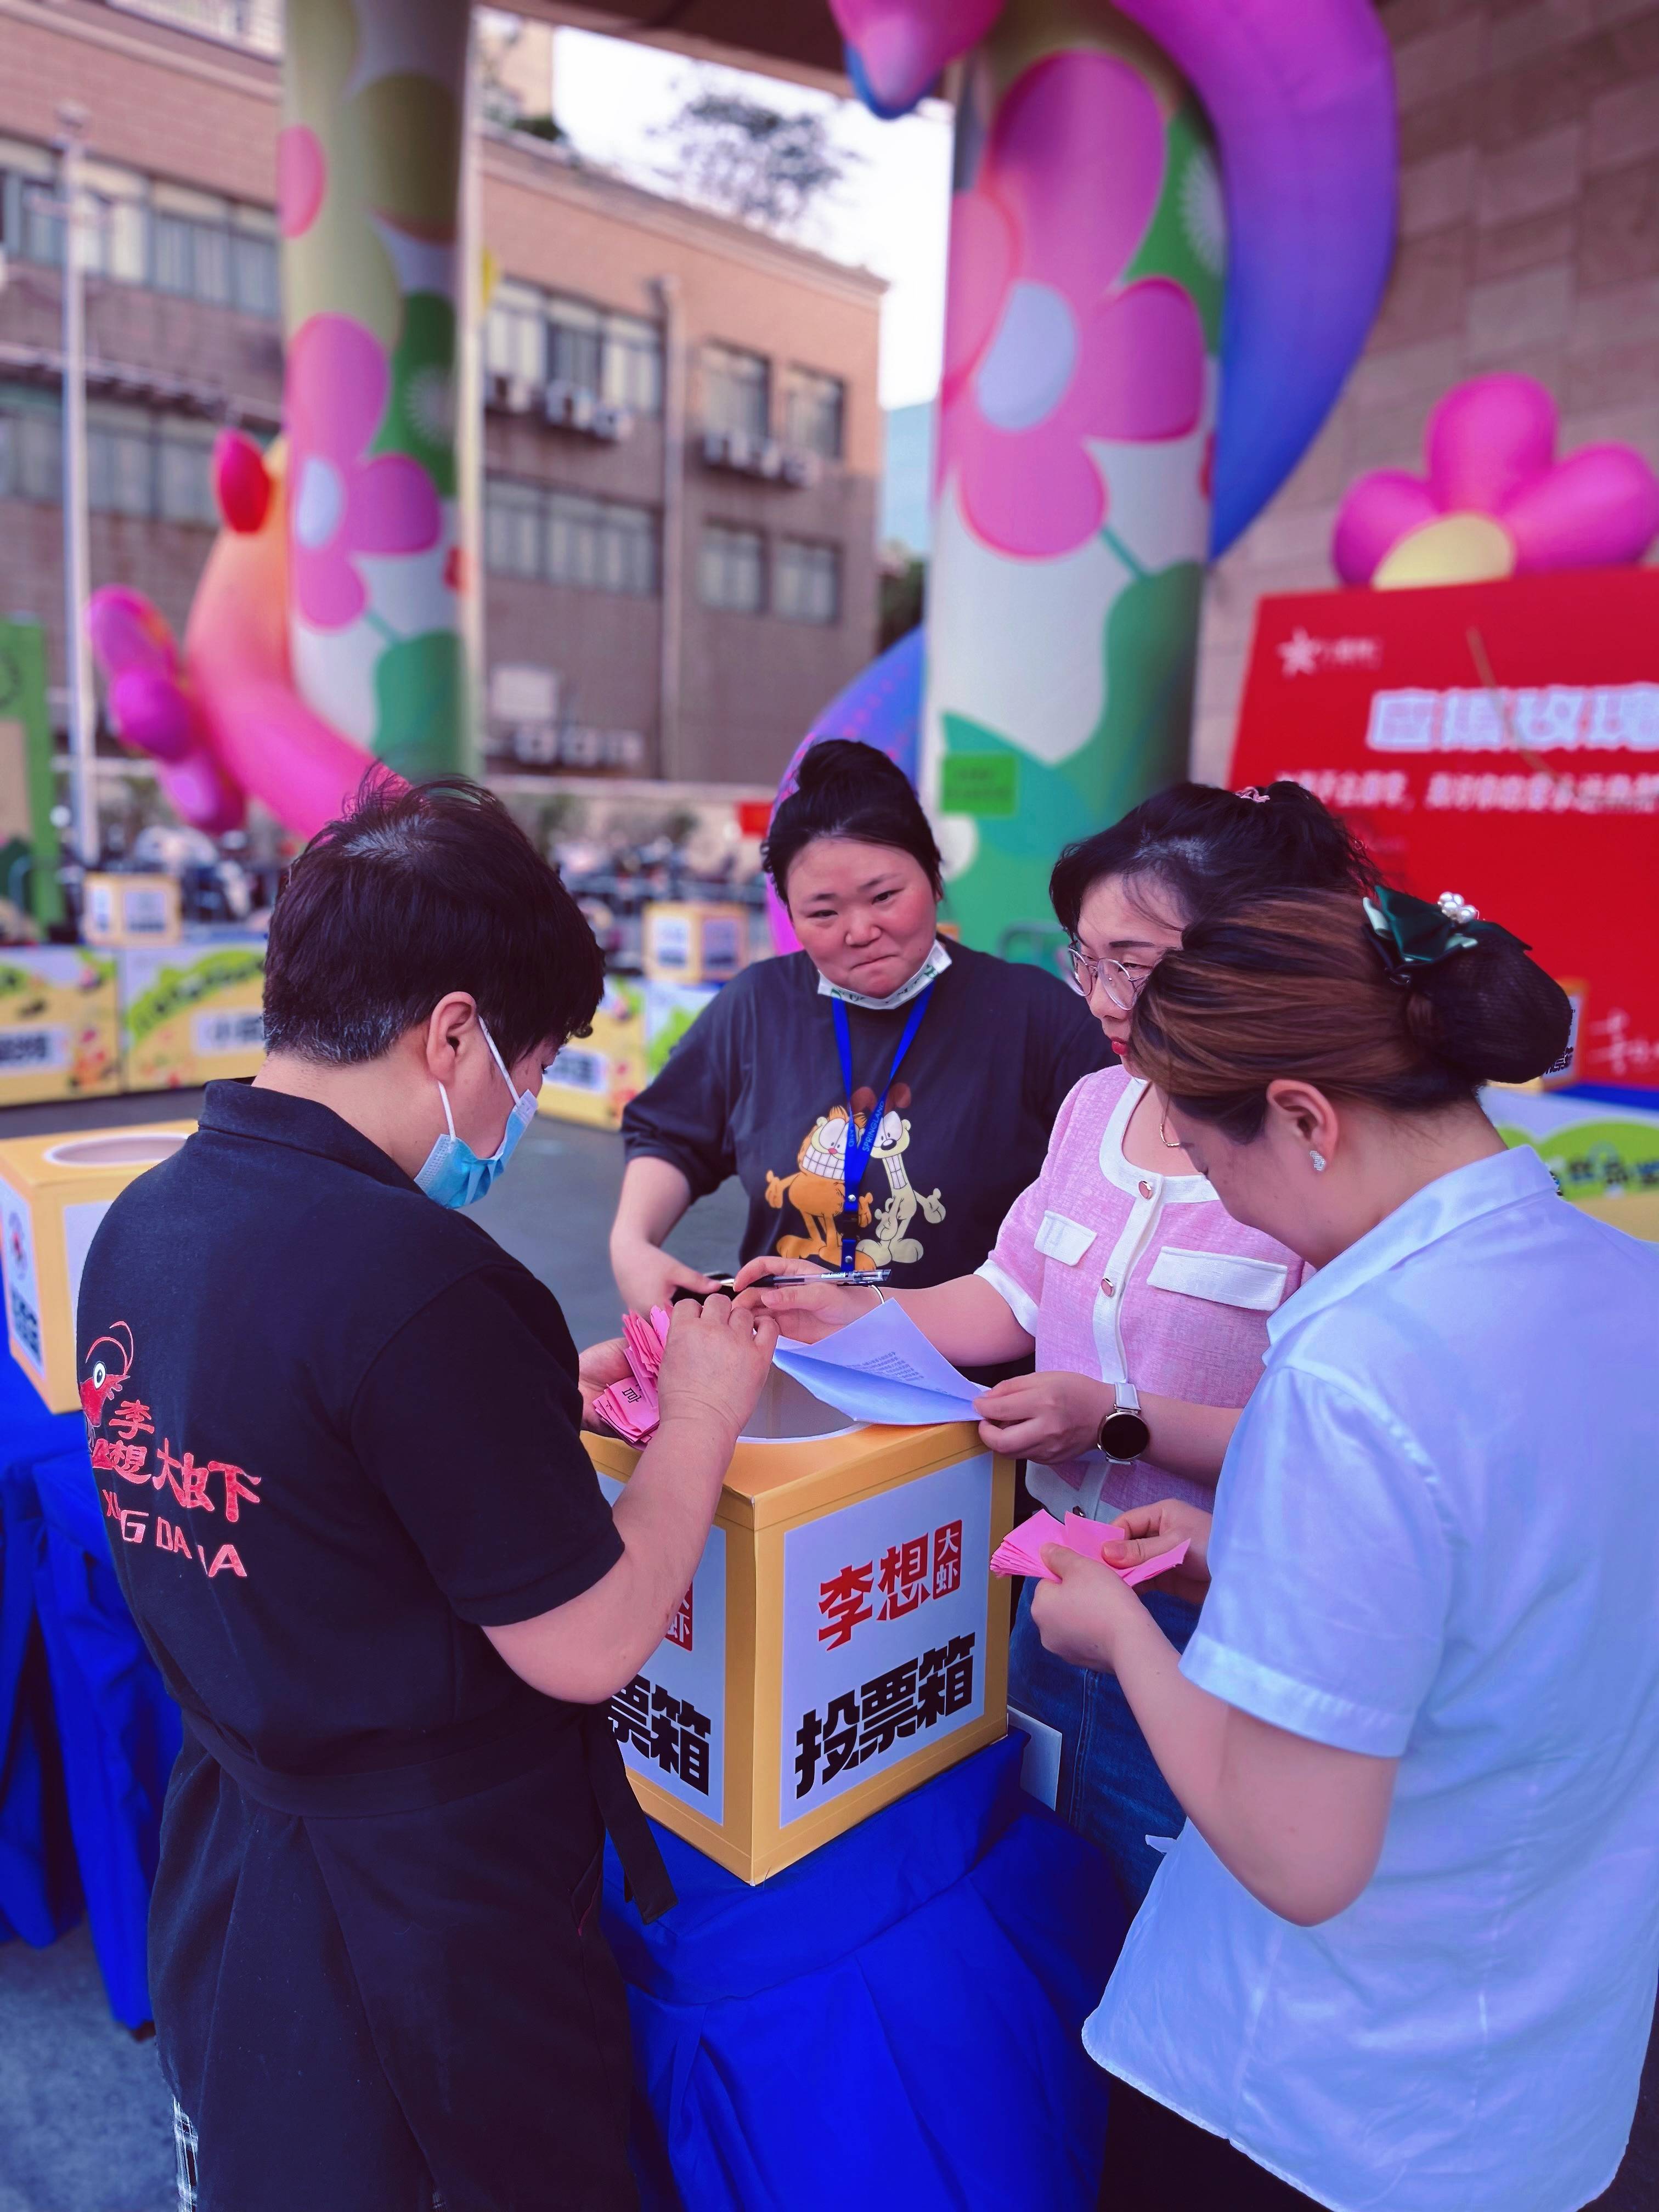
814 407
732 569
31 452
545 337
632 364
576 345
120 461
254 264
512 530
138 464
560 538
191 244
806 581
514 343
736 391
600 545
185 474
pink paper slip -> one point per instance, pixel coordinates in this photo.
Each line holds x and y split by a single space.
1020 1552
630 1408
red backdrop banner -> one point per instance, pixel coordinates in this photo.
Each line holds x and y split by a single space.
1498 740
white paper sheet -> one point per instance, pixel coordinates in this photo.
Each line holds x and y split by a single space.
881 1368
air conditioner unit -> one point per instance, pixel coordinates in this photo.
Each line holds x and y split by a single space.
716 449
613 424
769 460
520 395
801 470
570 407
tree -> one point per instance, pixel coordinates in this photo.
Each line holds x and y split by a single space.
752 161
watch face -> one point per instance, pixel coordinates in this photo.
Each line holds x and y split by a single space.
1124 1435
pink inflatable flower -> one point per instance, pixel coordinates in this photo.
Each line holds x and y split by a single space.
345 504
1495 501
1043 347
897 47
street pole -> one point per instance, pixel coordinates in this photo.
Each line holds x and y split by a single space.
77 574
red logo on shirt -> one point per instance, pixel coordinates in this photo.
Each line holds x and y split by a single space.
213 1486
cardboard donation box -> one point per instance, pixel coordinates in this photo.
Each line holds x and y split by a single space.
688 942
59 1027
842 1641
131 910
192 1014
54 1191
594 1077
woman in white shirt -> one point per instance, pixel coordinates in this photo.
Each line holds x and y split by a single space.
1403 1955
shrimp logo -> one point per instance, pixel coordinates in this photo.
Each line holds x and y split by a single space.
108 1363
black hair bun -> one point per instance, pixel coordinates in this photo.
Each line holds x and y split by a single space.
835 761
1491 1014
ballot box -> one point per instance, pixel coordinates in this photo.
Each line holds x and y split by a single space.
135 909
843 1638
593 1077
54 1191
687 942
59 1027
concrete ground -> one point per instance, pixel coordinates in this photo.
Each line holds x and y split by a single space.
84 2117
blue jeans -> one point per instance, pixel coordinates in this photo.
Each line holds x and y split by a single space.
1111 1789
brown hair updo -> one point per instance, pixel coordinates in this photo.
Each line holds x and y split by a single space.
1294 985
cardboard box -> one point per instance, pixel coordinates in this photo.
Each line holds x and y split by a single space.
594 1077
670 1011
843 1639
192 1014
131 910
54 1191
59 1025
689 942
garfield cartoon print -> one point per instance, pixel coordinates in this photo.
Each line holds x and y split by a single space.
891 1243
815 1189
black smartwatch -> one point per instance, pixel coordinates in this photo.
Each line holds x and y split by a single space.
1124 1433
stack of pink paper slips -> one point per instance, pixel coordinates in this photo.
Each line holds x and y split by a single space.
630 1408
1020 1552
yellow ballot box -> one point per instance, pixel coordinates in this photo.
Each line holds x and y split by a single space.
130 909
594 1077
688 942
59 1031
54 1191
843 1639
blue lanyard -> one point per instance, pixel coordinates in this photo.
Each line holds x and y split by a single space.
858 1149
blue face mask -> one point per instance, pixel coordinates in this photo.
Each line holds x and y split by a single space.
453 1173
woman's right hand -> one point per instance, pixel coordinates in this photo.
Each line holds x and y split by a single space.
715 1363
1150 1529
648 1276
805 1312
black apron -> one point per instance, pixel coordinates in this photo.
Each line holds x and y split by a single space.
381 1989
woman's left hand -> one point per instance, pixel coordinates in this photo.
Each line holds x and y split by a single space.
597 1369
1044 1417
1081 1616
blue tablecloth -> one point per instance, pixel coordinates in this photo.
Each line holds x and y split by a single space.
89 1736
894 2020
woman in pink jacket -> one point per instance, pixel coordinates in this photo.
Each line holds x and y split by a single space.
1145 1304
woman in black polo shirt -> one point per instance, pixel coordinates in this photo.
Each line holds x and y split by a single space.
934 1073
338 1427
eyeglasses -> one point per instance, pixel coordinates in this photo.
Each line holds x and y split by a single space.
1121 986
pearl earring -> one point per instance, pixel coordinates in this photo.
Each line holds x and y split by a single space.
1318 1159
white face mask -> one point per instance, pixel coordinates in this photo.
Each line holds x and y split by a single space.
453 1174
934 965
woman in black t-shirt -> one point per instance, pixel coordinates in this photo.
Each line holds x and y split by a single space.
963 1060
